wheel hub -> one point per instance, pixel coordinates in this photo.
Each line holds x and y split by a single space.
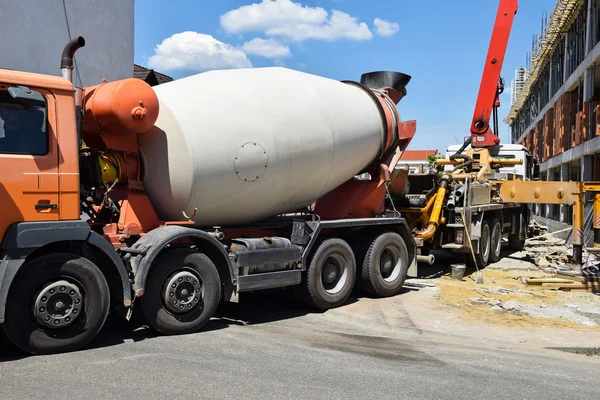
330 273
58 304
334 274
182 291
386 264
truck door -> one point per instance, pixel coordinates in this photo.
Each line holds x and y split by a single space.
29 189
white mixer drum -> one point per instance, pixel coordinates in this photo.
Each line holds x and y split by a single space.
245 144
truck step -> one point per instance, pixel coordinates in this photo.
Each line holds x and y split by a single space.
455 226
452 246
268 280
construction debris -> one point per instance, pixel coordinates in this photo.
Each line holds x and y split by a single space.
536 230
540 281
523 298
574 283
555 258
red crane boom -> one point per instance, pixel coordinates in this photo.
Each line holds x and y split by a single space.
492 85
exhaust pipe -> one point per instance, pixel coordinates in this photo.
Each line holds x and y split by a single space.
66 61
429 259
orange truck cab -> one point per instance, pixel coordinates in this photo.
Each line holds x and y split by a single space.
40 215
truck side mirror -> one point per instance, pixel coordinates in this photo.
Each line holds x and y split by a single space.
26 96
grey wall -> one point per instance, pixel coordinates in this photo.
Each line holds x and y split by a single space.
34 32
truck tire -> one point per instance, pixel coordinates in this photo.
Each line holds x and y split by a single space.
330 275
384 265
482 253
496 240
57 303
516 241
182 292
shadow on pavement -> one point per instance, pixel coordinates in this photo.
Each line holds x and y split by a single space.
253 309
586 351
444 260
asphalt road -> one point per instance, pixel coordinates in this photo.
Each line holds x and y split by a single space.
270 348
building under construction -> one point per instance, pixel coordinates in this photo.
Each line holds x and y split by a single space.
556 112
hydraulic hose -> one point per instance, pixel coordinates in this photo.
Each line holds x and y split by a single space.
468 160
434 218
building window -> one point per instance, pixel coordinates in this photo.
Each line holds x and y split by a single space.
23 128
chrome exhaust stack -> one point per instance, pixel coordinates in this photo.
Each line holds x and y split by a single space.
66 61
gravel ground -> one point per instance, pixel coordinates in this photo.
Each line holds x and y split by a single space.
570 312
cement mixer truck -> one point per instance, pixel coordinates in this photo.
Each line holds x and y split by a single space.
168 200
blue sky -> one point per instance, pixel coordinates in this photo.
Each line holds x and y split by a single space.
441 43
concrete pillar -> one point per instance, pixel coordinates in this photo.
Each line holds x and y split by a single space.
589 27
564 177
550 80
588 84
586 168
566 57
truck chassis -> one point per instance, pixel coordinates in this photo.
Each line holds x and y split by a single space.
53 273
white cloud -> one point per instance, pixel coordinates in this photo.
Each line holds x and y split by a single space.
269 48
385 28
196 52
294 21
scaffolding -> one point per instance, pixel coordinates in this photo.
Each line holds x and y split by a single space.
517 84
552 36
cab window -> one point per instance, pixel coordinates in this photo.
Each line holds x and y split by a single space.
23 127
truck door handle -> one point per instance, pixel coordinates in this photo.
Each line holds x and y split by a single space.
42 206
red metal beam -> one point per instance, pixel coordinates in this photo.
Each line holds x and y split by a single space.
482 134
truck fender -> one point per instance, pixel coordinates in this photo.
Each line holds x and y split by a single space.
23 239
8 270
101 244
32 235
145 251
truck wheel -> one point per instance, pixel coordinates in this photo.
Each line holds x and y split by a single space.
183 291
384 265
57 303
496 240
482 252
330 275
516 241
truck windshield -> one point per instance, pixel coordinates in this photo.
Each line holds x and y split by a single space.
23 129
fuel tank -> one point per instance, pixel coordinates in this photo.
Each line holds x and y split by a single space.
245 144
